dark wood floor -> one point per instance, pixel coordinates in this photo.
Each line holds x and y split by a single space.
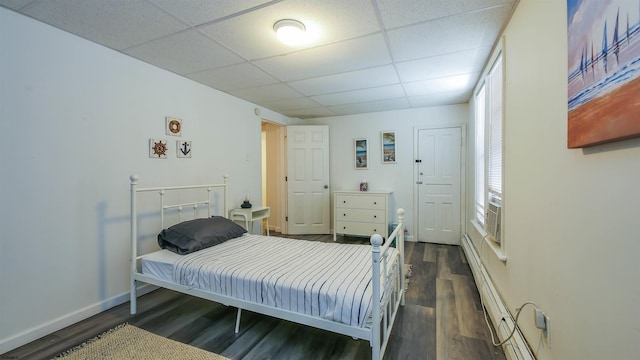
442 319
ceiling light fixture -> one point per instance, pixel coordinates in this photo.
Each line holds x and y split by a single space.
290 32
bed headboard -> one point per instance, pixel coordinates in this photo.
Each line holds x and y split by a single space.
196 201
180 206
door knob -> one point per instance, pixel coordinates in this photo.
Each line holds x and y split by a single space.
326 186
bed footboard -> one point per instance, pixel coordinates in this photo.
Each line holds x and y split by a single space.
388 287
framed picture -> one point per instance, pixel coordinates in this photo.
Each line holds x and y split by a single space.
361 153
183 148
603 72
158 148
173 126
388 141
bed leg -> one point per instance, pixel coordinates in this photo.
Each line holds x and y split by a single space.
238 320
133 297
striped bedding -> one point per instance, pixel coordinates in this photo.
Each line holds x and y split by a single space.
327 280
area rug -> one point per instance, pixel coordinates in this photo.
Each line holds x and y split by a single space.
129 342
407 274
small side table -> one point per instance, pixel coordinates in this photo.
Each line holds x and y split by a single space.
248 216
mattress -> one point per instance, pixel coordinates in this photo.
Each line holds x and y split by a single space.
327 280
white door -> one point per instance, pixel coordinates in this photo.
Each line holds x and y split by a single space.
308 193
438 182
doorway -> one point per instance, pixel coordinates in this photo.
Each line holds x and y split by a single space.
439 185
308 191
307 188
273 174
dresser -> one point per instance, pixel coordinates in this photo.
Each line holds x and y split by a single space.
361 213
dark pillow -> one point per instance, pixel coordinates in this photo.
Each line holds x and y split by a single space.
193 235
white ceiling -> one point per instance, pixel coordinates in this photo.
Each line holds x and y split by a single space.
370 55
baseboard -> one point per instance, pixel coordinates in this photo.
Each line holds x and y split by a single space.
517 348
61 322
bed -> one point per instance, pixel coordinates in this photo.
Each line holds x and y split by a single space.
330 286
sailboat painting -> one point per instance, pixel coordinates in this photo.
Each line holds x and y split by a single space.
388 147
603 71
361 153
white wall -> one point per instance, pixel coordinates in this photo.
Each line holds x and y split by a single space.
570 216
76 119
398 177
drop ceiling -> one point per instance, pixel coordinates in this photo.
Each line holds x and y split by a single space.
369 55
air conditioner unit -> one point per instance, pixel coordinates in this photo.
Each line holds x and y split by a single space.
492 220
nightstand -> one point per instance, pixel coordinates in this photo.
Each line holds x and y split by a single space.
248 216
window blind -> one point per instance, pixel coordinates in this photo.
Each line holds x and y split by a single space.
481 107
494 163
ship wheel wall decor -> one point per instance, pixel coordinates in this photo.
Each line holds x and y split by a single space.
158 148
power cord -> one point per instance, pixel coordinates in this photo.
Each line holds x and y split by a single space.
484 309
515 325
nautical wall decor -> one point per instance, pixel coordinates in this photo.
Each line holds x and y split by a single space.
173 126
603 69
158 148
183 149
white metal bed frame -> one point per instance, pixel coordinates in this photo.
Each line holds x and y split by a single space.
390 290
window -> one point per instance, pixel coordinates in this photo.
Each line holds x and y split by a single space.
488 140
479 130
488 107
494 156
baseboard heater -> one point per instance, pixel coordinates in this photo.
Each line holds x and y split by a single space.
517 348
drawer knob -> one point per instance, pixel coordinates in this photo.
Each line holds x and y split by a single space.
374 203
375 216
344 214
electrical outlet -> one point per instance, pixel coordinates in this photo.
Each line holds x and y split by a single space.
543 322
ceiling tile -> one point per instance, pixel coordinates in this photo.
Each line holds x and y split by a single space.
371 106
293 104
378 76
310 113
442 98
185 52
196 12
453 34
370 94
439 85
396 13
117 24
15 4
461 62
356 54
266 94
252 35
233 77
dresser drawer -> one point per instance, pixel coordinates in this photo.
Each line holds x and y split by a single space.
360 228
361 202
361 215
